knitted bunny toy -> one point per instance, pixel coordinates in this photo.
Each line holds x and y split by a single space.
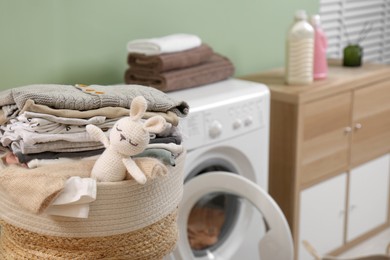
129 136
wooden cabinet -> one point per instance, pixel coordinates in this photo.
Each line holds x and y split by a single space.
368 193
333 206
322 215
370 122
328 129
324 137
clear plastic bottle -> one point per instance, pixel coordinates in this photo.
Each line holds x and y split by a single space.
299 51
320 66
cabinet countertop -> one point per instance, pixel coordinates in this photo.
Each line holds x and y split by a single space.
339 79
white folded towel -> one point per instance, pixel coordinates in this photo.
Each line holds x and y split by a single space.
75 198
166 44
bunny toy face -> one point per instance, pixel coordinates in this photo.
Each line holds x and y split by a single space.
128 137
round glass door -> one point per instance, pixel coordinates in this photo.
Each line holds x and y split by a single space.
226 216
210 222
214 215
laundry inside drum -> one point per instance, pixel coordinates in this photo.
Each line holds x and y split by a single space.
210 222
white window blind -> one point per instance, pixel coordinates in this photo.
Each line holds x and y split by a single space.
344 21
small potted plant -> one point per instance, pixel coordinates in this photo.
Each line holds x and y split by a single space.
353 52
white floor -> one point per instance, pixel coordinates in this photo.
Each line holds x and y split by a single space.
375 245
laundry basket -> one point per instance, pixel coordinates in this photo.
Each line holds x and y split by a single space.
127 221
316 256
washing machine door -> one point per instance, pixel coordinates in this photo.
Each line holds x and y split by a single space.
194 243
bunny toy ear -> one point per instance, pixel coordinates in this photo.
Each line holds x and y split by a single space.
155 124
138 107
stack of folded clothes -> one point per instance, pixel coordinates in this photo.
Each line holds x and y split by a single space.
175 62
42 125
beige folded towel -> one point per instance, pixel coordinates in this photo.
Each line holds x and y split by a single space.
34 189
109 112
216 69
171 61
151 167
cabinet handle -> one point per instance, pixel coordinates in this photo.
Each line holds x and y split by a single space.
341 213
358 126
352 207
347 130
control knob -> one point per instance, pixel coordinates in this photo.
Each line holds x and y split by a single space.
237 124
215 129
248 121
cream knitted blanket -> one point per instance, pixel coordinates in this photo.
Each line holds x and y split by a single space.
34 189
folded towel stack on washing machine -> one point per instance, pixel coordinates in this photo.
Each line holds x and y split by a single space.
174 62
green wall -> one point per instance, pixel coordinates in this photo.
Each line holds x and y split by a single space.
84 41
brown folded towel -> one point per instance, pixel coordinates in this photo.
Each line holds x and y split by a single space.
216 69
171 61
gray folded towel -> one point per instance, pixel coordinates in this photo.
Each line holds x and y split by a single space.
84 98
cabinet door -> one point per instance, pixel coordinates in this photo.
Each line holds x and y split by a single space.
322 216
368 196
371 123
325 142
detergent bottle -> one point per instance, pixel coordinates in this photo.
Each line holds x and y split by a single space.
300 51
320 64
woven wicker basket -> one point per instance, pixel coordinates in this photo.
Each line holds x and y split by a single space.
127 221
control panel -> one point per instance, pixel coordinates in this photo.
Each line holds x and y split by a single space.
223 120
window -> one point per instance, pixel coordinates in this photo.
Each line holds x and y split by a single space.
347 21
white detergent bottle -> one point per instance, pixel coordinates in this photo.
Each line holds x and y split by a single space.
299 51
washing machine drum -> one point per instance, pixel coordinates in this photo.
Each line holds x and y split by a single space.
214 222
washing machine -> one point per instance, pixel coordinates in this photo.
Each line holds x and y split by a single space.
225 199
